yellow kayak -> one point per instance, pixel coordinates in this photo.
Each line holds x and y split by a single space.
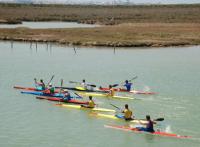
85 108
104 95
111 116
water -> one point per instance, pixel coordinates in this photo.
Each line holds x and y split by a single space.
172 72
46 25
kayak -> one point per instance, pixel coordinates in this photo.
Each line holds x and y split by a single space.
40 93
104 95
85 108
32 89
124 90
61 100
112 116
125 128
81 89
26 88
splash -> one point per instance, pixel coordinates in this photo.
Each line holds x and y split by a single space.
146 88
168 129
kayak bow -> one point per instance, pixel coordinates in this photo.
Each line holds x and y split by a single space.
124 128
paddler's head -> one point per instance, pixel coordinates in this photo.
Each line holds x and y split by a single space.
110 86
90 97
41 80
148 117
126 81
126 106
83 80
50 85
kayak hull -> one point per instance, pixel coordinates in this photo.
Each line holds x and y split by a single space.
124 128
132 91
111 116
79 89
61 100
40 93
32 89
84 108
104 95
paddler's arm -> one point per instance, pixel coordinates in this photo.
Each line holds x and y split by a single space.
142 123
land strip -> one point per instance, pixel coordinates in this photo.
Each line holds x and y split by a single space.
123 26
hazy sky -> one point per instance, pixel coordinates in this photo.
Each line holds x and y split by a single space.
105 1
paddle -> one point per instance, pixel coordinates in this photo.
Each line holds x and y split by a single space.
78 95
61 85
92 85
50 80
115 106
115 85
157 119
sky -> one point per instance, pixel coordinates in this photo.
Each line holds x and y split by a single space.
110 1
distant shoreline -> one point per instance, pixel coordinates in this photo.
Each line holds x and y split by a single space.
123 26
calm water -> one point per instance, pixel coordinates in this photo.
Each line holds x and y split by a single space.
172 72
44 25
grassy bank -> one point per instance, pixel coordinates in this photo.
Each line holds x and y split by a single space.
127 26
124 35
102 14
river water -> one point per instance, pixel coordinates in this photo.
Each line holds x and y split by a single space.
50 25
174 73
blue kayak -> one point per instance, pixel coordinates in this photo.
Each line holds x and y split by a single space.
46 94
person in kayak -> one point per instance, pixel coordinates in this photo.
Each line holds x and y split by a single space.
66 95
39 85
127 113
50 90
149 125
91 103
111 91
128 85
84 84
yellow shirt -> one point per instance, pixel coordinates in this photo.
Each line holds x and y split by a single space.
111 92
91 104
127 113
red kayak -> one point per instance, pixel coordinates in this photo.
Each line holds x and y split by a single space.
124 128
124 90
25 88
61 100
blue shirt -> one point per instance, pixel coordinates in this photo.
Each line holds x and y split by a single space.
128 86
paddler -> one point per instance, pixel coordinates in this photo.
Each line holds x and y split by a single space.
111 91
127 113
84 84
128 85
91 103
149 125
66 95
39 85
50 89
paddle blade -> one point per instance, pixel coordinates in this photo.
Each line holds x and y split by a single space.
92 85
115 85
61 82
41 98
73 82
159 119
